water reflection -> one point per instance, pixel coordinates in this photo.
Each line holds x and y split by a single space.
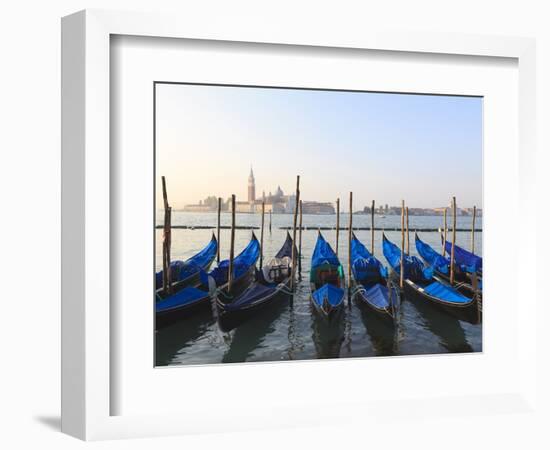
447 328
383 334
328 336
248 339
172 340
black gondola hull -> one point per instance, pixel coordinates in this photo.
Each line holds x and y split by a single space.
330 316
462 283
192 280
171 316
238 286
229 319
383 313
468 312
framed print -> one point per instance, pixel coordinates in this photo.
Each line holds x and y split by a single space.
221 245
346 298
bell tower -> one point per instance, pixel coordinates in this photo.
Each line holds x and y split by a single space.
251 187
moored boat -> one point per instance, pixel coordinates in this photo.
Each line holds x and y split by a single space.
470 261
271 286
441 265
185 273
372 287
192 298
326 281
420 284
244 266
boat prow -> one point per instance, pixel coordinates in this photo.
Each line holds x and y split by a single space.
328 301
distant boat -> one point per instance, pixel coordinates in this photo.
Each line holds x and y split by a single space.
184 273
271 286
372 285
326 281
420 284
192 298
441 265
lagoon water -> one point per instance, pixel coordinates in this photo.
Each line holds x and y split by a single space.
291 331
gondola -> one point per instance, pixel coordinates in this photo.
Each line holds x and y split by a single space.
185 273
326 281
470 261
192 298
372 287
244 266
420 284
442 264
271 286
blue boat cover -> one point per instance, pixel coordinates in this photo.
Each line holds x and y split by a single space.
180 270
377 295
433 258
445 292
259 290
333 294
470 262
286 249
185 297
365 266
323 253
414 268
255 292
241 264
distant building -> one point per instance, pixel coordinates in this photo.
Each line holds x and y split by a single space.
317 208
470 212
440 211
276 203
244 207
251 187
197 208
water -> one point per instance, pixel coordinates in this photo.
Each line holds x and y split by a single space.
288 332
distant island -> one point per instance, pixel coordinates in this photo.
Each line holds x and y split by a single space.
386 210
279 203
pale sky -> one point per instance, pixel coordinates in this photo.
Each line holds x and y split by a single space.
386 147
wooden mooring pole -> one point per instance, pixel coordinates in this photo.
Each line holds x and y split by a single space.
444 230
473 229
166 242
293 268
300 243
231 246
350 234
218 231
270 222
407 229
372 228
337 223
402 262
452 278
262 237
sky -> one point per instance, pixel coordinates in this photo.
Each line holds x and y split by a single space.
387 147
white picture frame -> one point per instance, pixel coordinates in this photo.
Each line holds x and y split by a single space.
87 383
